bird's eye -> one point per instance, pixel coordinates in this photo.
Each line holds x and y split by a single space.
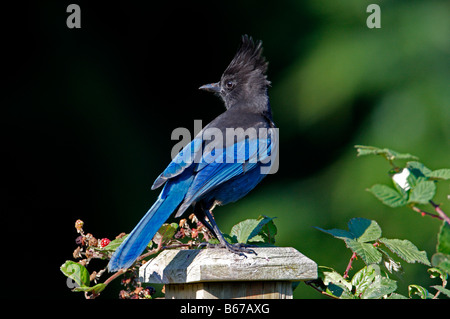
229 85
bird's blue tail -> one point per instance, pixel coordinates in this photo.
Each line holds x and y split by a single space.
169 199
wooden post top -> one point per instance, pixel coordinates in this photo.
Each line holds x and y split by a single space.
220 265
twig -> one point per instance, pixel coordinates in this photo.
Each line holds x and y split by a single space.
349 266
151 252
117 274
313 284
423 213
159 248
440 212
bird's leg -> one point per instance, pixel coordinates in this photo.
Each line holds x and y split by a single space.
200 214
238 249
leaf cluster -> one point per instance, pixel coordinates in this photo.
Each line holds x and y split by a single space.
184 235
414 184
363 238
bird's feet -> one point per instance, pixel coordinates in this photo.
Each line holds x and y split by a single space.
238 248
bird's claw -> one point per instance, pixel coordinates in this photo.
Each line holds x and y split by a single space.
238 248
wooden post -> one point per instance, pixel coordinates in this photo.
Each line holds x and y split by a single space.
215 273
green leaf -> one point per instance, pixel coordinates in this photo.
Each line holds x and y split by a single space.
418 290
422 193
380 287
368 253
363 279
77 272
360 229
443 245
406 250
248 229
338 233
396 296
391 265
440 174
388 195
268 232
95 289
364 230
335 283
165 233
113 245
437 272
388 154
443 290
441 261
418 169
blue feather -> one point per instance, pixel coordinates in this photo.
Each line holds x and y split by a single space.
133 246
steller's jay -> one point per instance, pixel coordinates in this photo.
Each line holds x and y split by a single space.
225 161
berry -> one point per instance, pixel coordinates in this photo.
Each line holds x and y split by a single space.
79 225
104 242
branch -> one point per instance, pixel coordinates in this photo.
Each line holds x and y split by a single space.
440 212
313 284
349 266
423 213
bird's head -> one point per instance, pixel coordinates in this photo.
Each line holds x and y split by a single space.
244 79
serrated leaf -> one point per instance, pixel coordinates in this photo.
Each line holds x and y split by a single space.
422 193
268 232
338 233
443 245
364 230
248 229
368 253
360 229
380 287
406 250
77 272
165 233
339 291
363 279
418 169
388 195
335 284
440 174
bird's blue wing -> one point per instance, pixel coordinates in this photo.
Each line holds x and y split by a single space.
184 159
225 164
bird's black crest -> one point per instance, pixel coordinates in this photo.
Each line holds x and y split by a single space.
248 58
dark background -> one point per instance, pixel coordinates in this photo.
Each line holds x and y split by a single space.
87 115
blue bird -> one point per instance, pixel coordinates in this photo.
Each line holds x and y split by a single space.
224 162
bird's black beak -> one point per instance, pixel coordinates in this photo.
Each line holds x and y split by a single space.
213 87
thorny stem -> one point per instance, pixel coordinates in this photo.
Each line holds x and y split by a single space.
354 256
444 283
420 211
440 212
349 266
441 215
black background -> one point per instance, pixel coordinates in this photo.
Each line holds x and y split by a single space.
87 116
